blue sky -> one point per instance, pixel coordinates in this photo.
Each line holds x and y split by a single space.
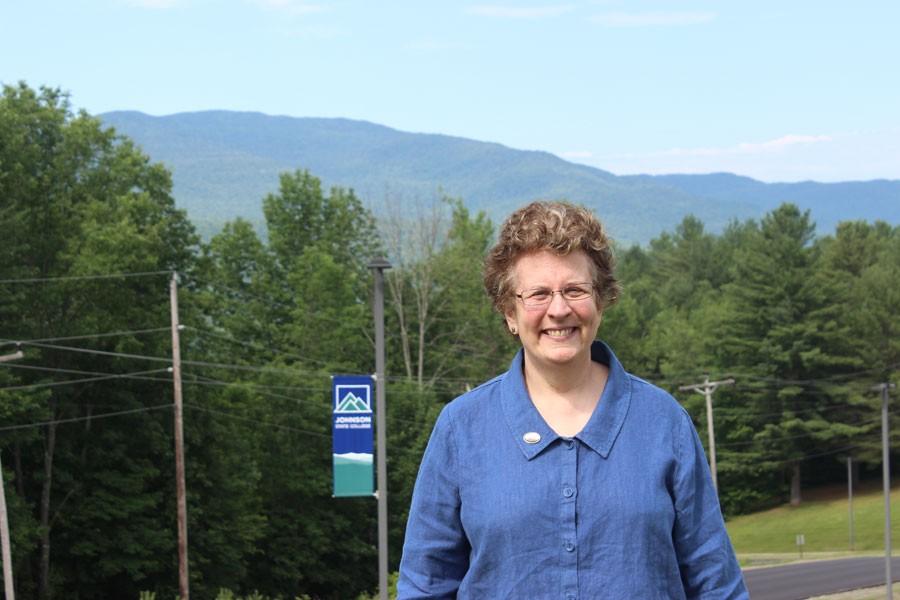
779 91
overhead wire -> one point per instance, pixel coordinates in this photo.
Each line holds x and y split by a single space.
730 411
257 347
86 337
264 300
86 418
322 390
161 358
47 384
777 461
392 451
790 437
12 365
258 421
85 277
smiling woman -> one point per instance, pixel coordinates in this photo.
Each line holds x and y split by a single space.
565 477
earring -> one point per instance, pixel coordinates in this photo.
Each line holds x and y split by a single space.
514 330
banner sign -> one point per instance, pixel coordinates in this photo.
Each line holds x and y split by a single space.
352 397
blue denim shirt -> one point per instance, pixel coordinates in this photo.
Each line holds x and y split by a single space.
625 509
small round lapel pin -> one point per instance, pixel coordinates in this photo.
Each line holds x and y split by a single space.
532 437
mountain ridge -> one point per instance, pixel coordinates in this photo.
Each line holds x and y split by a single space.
225 162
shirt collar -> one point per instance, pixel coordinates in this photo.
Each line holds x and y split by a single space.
602 428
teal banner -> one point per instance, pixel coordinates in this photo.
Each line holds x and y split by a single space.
352 435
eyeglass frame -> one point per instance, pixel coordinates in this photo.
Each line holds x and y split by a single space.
583 286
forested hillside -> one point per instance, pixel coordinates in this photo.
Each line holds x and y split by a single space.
223 162
805 323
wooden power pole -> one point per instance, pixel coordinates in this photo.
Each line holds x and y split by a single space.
4 539
707 388
5 551
180 495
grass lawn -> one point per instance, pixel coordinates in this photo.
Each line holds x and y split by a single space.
823 519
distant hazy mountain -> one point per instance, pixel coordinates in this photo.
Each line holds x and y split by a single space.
224 163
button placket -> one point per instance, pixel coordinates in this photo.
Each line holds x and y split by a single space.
568 457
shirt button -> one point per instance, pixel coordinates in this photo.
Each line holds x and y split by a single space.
568 492
570 596
570 444
569 546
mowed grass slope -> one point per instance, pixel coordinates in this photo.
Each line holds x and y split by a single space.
823 518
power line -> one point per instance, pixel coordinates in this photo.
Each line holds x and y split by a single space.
80 372
77 419
74 381
835 377
673 378
258 421
87 336
218 382
269 302
253 346
792 437
99 352
732 412
681 376
85 277
199 363
773 461
251 420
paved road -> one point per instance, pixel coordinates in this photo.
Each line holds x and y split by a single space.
803 580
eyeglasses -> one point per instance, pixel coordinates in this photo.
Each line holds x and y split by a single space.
541 297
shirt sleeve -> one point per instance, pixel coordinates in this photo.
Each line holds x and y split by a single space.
436 550
709 569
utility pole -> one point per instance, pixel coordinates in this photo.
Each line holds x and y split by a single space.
180 496
378 266
14 356
850 497
4 539
886 478
707 388
8 586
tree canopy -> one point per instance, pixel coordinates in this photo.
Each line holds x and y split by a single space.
804 324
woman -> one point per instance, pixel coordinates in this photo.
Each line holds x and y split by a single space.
565 477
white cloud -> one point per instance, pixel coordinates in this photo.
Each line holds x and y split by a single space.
783 141
849 156
519 12
776 145
652 18
577 154
295 7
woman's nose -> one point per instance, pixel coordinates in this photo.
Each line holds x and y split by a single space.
559 306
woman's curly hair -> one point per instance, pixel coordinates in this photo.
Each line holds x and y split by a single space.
559 227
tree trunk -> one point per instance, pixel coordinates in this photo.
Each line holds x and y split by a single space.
795 484
44 567
395 285
420 366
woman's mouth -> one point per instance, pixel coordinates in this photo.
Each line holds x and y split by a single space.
559 332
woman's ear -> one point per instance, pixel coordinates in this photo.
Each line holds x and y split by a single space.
511 323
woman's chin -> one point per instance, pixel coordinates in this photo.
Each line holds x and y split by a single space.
560 355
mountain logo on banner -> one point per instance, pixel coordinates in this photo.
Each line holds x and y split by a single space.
353 399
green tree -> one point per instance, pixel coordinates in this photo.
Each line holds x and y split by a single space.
785 338
79 201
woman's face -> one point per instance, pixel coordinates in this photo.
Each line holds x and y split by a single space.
562 331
